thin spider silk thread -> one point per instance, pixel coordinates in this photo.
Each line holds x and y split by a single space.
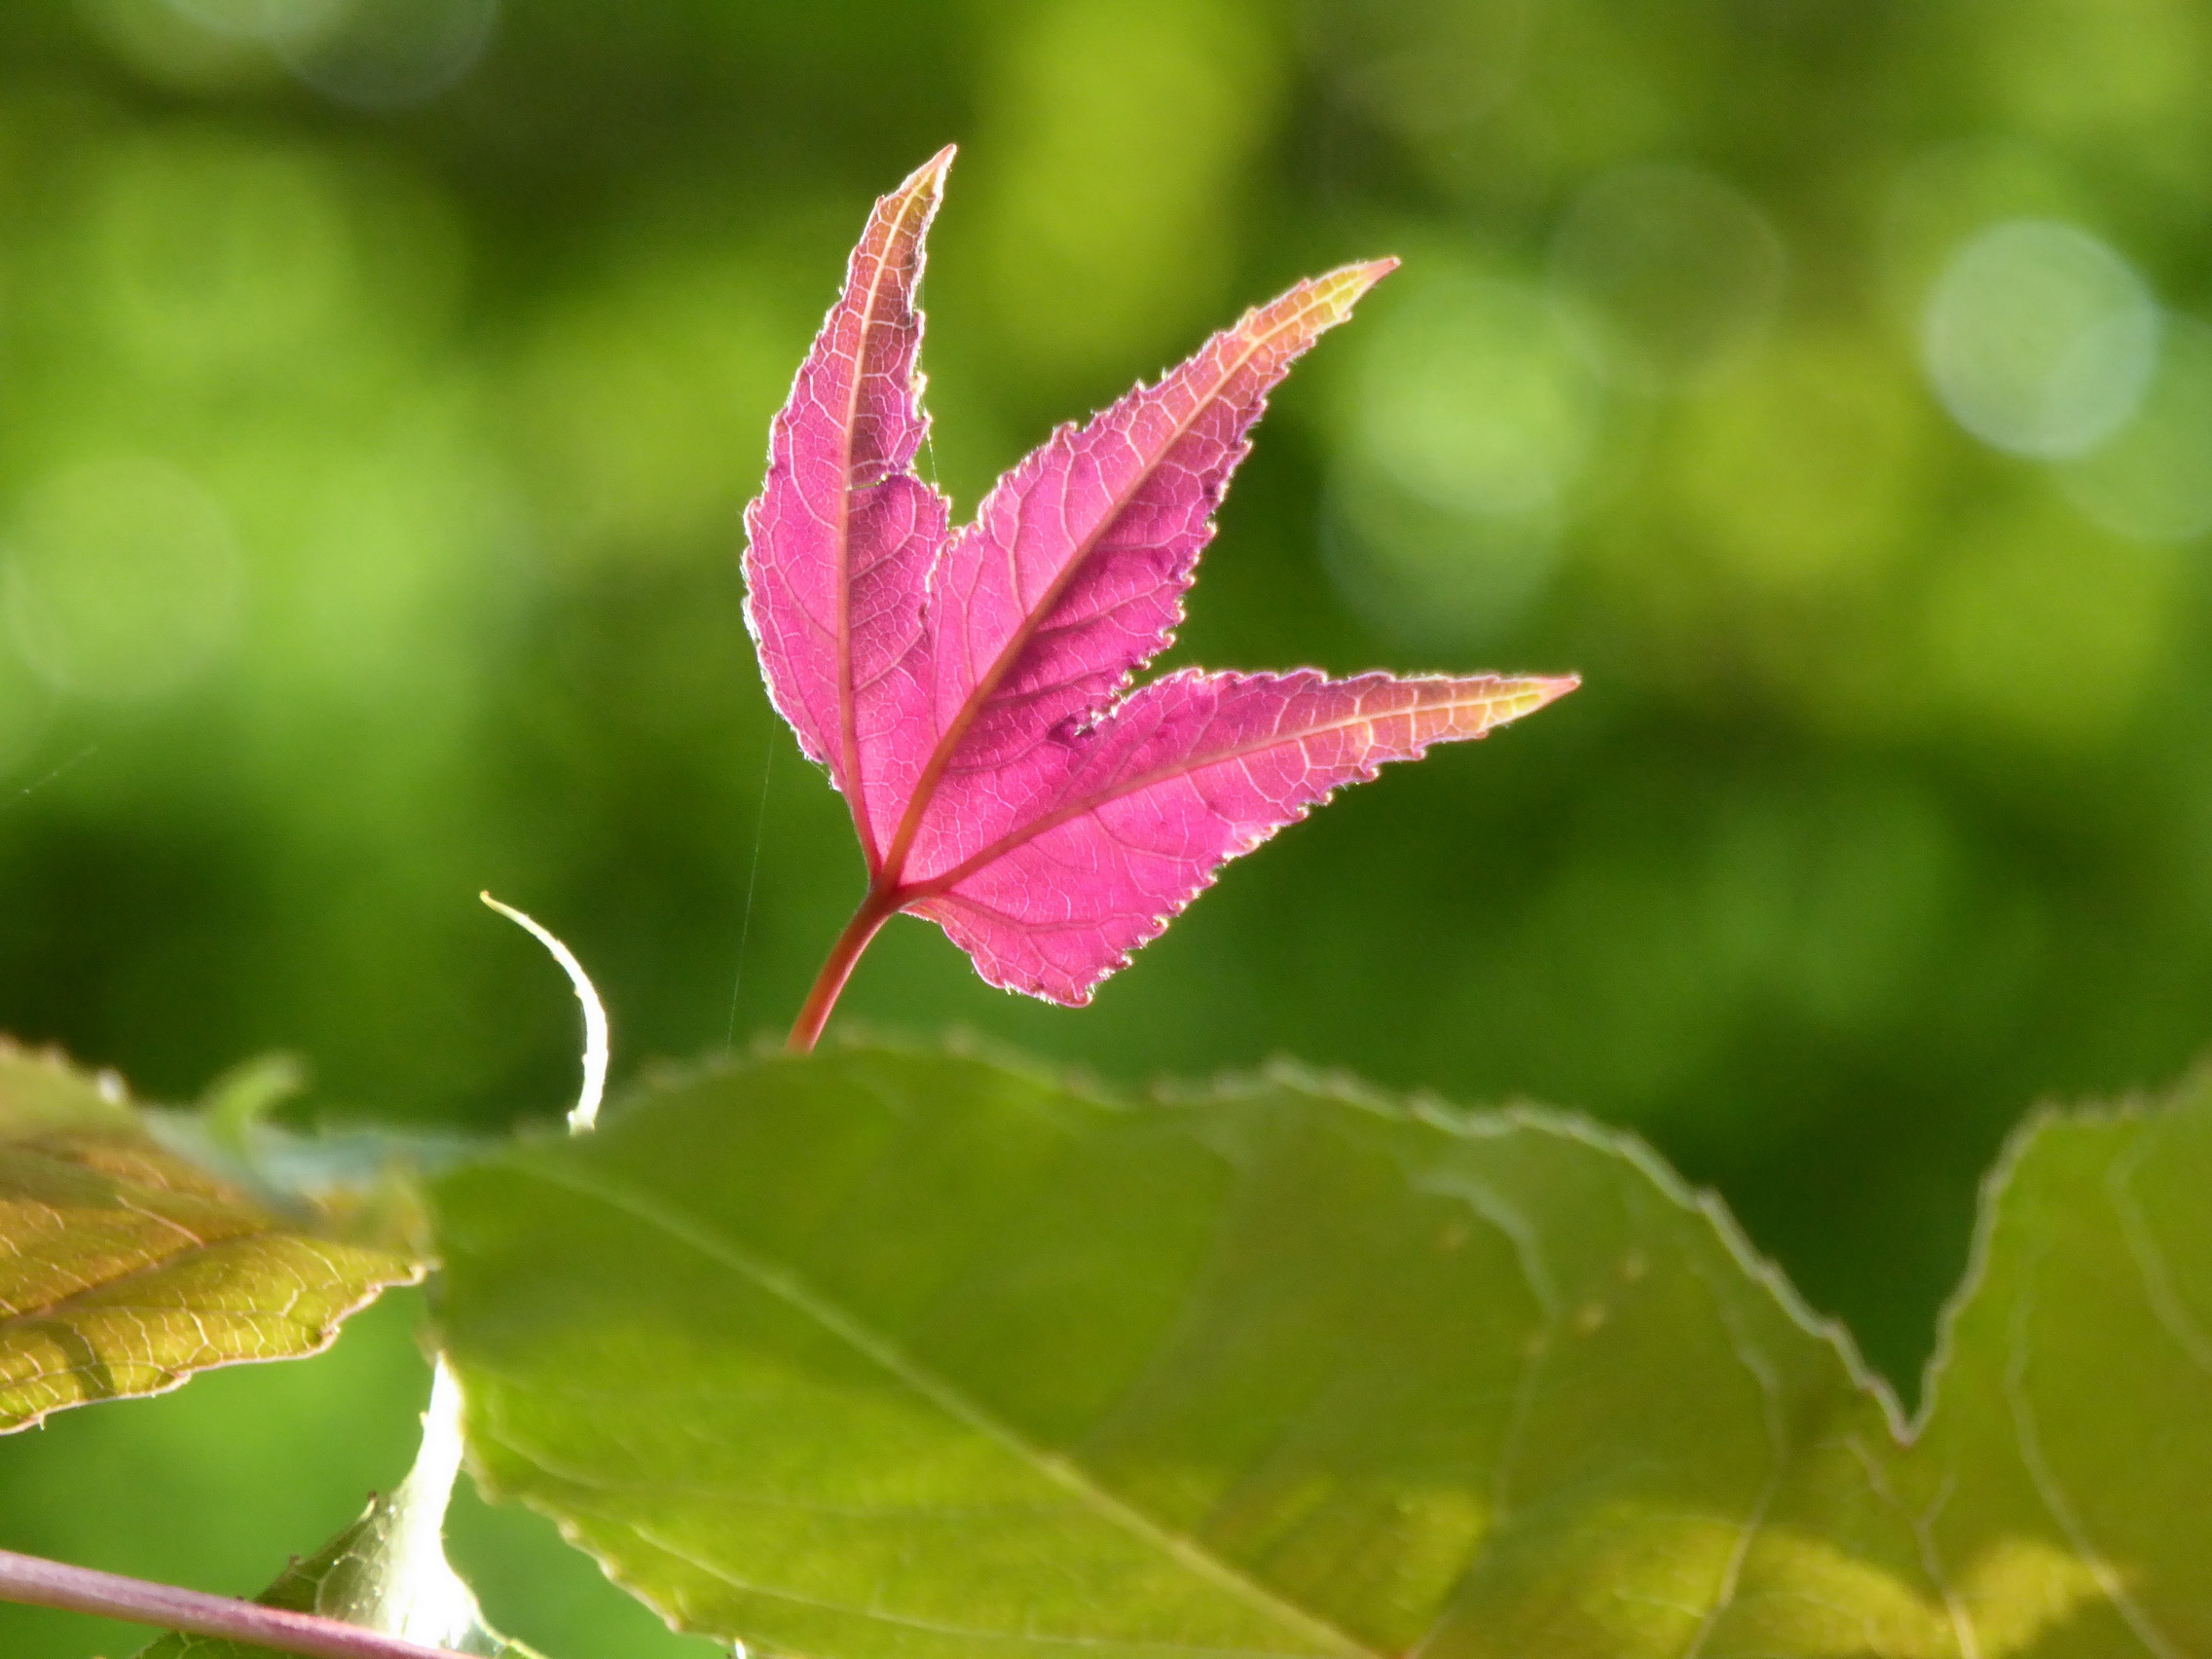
751 882
37 784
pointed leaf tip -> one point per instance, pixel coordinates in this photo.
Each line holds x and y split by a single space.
1358 278
840 539
929 177
1540 691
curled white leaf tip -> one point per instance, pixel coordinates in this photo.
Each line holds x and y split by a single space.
586 1110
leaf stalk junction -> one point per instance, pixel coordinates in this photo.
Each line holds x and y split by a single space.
883 901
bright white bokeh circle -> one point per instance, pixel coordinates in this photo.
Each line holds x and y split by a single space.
2039 338
368 53
2152 479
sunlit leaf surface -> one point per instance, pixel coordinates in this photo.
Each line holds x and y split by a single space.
125 1266
881 1354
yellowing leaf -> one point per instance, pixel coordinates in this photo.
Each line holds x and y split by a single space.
126 1267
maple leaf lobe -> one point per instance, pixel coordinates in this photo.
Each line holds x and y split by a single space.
1188 773
839 542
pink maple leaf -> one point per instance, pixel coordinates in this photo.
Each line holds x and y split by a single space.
969 690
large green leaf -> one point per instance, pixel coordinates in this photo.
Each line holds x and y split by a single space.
125 1265
877 1355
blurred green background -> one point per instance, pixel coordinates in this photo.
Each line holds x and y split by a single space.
1825 380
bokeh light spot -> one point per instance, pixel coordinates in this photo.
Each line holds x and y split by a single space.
2039 339
1423 70
2152 480
388 53
384 552
2132 70
122 579
1472 422
1471 395
1425 576
1800 473
169 46
1676 269
209 253
1120 129
631 406
367 54
2048 630
261 19
1944 197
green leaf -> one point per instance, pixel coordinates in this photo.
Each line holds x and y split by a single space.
125 1266
877 1355
386 1572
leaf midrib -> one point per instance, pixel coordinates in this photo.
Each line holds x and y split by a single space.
1096 798
795 1292
848 697
151 1263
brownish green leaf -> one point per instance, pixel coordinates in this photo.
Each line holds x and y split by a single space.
125 1266
878 1355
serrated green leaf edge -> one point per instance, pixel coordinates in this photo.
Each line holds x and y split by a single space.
1689 1460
